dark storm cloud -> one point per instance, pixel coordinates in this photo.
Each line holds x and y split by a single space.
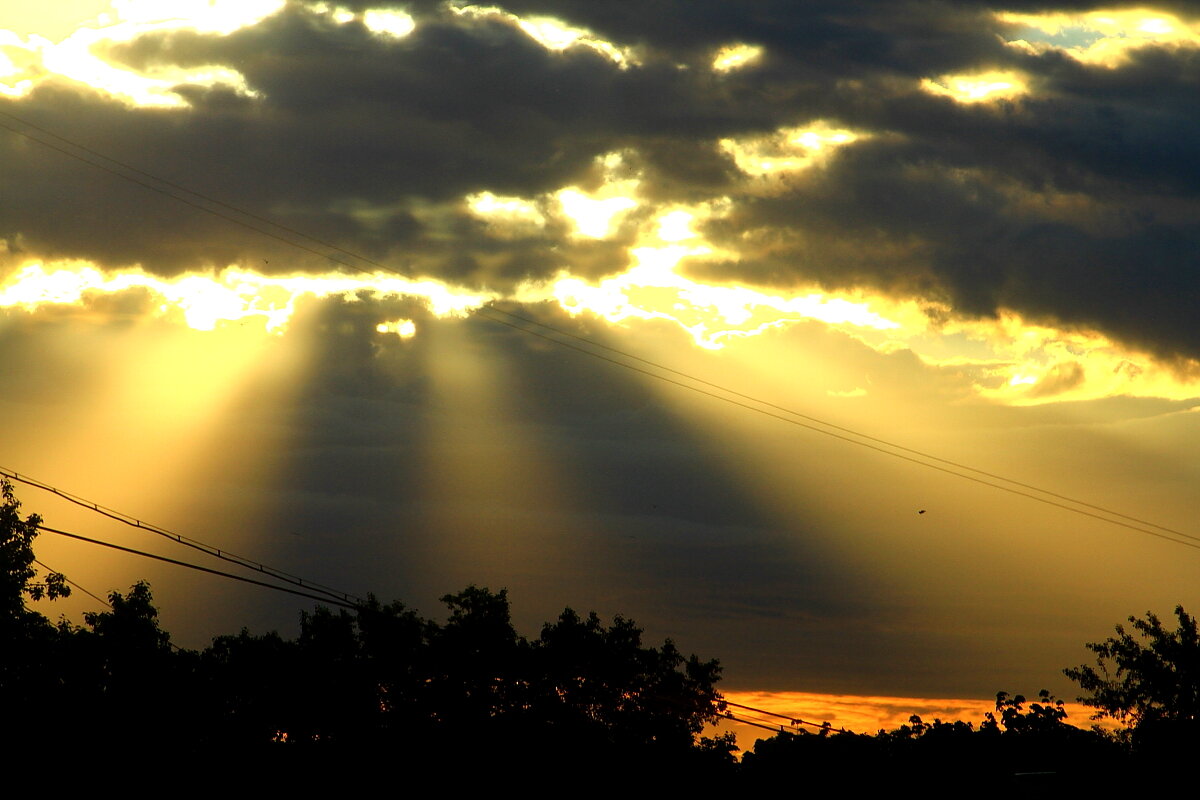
1073 204
1043 214
350 121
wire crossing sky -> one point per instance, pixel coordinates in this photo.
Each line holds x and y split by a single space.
186 541
319 598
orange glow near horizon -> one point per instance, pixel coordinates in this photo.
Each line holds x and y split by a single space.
860 713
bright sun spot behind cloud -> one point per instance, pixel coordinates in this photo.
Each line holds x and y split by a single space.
389 23
80 56
339 14
550 33
978 88
1103 37
233 295
736 56
787 150
506 216
404 328
593 216
653 290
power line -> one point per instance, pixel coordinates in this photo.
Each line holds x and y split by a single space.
173 196
49 568
742 719
172 184
761 407
194 193
1195 544
172 645
197 567
834 426
729 715
792 720
186 541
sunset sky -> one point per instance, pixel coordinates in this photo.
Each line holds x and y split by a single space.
964 228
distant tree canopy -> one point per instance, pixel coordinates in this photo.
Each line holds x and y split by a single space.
388 675
1015 748
379 679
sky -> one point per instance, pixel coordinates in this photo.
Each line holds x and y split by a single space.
402 297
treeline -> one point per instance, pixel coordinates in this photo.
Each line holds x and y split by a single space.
1023 747
381 688
379 685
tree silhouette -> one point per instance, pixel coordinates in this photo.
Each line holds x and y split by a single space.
29 644
478 664
604 678
128 683
16 559
1016 748
376 685
1148 679
252 689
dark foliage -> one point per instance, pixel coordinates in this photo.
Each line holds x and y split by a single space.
379 686
28 642
1148 679
1013 749
382 689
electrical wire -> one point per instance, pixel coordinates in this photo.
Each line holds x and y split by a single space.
174 185
171 644
792 720
197 567
810 418
49 568
173 196
195 544
742 716
778 729
1195 544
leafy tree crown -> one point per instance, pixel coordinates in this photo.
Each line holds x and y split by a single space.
1147 673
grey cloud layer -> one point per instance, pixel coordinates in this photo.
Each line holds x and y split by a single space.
1076 204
